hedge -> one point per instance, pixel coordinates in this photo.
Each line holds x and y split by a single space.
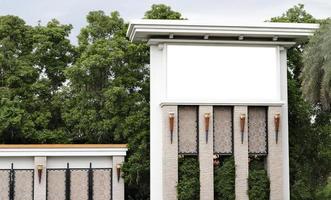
258 181
224 180
188 187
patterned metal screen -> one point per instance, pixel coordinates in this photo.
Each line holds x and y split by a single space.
223 130
79 184
188 129
102 184
23 184
83 184
257 130
4 184
56 184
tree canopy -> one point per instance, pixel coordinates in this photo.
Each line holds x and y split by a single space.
316 74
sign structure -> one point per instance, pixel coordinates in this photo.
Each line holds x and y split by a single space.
218 90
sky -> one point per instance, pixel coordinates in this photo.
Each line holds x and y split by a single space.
74 11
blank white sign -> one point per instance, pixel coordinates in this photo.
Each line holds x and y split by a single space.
222 73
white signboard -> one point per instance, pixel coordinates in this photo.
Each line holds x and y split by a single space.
222 74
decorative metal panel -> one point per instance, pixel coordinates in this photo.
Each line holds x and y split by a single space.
4 184
79 185
188 129
102 184
223 130
257 130
56 184
23 184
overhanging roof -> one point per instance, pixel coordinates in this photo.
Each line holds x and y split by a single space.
146 29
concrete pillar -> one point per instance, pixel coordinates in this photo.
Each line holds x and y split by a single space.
241 153
275 156
40 188
170 154
118 184
206 155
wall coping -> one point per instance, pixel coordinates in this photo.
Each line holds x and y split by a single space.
22 150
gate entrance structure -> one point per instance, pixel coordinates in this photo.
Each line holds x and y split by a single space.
218 90
62 172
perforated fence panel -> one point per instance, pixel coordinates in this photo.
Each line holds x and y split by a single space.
79 185
23 185
188 129
56 184
257 130
4 184
223 130
102 184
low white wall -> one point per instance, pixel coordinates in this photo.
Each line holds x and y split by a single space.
19 162
79 162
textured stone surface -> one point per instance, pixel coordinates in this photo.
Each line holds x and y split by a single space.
101 184
4 184
240 154
206 155
257 130
23 184
275 157
56 184
170 154
40 188
187 129
222 130
79 185
118 186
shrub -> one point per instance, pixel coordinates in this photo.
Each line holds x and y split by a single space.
188 187
258 181
224 180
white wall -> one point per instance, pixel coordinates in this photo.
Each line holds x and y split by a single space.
79 162
222 73
19 162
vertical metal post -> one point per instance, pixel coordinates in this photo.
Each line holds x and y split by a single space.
90 183
11 183
68 182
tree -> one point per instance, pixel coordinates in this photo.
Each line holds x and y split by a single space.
161 11
316 74
309 160
32 61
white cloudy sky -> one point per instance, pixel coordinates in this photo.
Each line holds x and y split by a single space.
74 11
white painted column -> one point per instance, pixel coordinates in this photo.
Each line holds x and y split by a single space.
275 156
241 154
40 188
170 154
117 184
206 155
157 93
284 122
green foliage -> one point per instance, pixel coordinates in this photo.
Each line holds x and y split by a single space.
309 143
258 181
296 14
325 192
188 187
259 186
316 74
224 180
161 11
32 60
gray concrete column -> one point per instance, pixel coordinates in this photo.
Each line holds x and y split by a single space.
40 188
170 154
117 184
275 156
206 154
241 153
